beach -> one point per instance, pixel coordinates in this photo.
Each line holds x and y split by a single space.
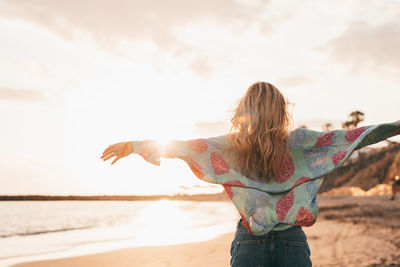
331 244
350 231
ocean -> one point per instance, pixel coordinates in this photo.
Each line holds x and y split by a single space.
37 230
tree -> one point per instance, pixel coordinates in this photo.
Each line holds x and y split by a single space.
354 119
327 127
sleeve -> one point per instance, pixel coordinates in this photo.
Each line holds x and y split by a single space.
149 150
316 154
357 138
203 156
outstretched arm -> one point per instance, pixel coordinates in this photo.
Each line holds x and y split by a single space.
149 150
204 156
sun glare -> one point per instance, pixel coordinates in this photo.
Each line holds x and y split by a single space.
163 233
163 141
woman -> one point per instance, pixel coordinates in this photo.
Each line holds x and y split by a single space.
271 174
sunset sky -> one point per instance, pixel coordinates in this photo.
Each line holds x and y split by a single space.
77 76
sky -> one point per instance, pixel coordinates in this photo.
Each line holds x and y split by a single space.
77 76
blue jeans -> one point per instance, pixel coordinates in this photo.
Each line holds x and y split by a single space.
288 248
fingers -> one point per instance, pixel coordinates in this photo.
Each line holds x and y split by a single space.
115 160
108 150
108 156
111 151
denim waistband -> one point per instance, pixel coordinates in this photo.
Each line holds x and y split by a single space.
293 230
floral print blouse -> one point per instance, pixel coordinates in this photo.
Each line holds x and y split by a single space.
290 198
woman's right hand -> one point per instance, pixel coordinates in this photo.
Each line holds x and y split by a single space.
118 150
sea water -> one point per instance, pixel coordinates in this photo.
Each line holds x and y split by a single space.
37 230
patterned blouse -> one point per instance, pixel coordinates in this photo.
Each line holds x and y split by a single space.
290 198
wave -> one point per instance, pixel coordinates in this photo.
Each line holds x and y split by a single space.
45 231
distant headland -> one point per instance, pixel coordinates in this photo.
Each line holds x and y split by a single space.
197 197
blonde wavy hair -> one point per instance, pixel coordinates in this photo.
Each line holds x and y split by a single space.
259 131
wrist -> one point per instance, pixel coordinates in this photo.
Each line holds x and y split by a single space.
129 147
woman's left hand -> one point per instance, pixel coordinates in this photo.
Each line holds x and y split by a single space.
118 150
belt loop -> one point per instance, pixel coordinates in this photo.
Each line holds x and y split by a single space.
272 246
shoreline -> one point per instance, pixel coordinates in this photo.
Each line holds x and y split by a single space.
332 243
187 254
113 226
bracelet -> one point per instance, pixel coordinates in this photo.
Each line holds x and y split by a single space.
126 144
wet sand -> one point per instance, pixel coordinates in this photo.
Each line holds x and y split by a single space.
350 231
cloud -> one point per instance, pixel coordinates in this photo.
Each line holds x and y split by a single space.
201 66
293 81
109 21
20 95
365 46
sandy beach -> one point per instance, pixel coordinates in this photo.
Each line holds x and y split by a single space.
350 231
